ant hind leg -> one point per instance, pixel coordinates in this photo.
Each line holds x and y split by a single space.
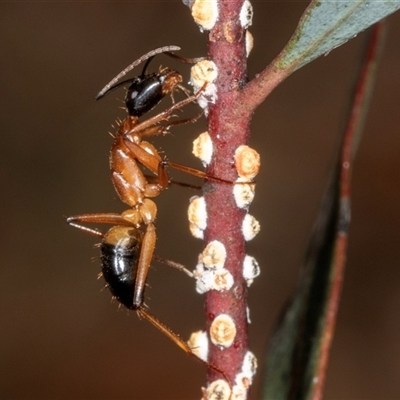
97 218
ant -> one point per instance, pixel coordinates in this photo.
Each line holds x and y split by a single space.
127 247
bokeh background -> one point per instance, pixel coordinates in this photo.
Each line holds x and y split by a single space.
61 336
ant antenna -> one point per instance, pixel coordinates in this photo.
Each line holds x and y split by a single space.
129 68
146 65
185 60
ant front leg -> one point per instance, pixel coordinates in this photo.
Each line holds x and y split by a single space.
163 116
164 129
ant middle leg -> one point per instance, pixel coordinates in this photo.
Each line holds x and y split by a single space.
200 174
145 153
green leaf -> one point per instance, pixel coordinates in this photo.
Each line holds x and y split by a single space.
327 24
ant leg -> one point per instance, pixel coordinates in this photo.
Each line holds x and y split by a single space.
183 121
201 174
153 163
149 131
85 229
173 264
154 179
184 184
99 218
163 129
188 170
147 155
146 255
163 178
184 90
185 59
176 339
165 114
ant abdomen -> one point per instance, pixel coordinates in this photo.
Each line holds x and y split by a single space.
120 252
146 92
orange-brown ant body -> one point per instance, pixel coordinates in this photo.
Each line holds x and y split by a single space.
127 248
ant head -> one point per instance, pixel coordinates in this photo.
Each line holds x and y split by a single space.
146 92
113 84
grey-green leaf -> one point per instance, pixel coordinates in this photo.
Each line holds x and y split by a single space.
327 24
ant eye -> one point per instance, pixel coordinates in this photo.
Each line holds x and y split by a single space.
132 94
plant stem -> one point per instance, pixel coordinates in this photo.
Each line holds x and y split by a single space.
228 127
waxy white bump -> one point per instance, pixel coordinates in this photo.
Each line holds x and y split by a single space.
248 315
218 390
249 42
197 215
204 279
205 13
214 255
246 14
239 390
223 331
247 162
244 378
196 232
210 273
251 269
204 72
223 280
249 366
198 343
220 280
250 227
243 192
203 148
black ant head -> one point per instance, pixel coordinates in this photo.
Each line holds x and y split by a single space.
147 91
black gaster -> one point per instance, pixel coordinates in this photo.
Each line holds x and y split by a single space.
144 94
119 268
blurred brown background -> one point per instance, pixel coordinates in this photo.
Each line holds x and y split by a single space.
61 336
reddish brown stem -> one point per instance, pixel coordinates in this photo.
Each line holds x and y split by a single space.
258 89
228 128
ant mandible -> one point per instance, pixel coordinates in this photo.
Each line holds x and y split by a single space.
127 251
